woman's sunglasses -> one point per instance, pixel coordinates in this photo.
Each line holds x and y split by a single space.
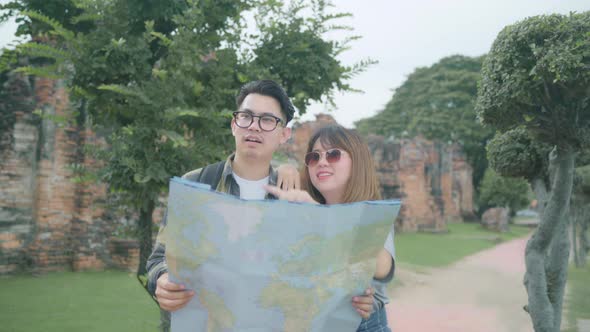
332 156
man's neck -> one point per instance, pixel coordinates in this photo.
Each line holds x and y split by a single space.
250 168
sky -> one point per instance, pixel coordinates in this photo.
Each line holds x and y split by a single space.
404 35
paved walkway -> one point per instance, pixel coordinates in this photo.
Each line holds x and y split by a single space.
483 292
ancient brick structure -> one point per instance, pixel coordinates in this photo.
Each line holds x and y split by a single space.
47 220
50 222
124 253
432 179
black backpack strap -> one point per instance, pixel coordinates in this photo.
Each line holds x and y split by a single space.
211 174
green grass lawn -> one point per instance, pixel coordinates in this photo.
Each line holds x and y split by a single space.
463 239
83 301
577 302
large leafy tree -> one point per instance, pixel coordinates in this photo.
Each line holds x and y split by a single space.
535 91
158 78
438 102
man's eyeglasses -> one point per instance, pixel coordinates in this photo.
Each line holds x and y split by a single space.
313 158
266 122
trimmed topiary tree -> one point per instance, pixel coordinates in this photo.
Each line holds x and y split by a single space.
536 78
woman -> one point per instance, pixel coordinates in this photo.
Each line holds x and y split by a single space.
340 169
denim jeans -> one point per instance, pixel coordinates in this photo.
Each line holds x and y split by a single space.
377 322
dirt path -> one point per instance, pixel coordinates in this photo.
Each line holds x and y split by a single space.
482 292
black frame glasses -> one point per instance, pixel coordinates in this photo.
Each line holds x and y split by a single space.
313 158
265 121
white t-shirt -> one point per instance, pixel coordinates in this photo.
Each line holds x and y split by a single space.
251 190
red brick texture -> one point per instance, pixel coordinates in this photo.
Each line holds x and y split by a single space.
48 221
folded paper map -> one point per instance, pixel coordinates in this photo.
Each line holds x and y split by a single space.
271 265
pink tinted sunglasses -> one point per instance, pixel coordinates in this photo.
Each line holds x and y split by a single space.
313 157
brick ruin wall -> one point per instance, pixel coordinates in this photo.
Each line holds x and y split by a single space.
50 222
47 220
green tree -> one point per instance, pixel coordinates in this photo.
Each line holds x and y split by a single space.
158 79
293 49
438 102
498 191
535 86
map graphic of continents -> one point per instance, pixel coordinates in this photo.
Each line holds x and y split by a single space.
271 265
333 269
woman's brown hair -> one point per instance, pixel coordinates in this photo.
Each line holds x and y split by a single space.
363 184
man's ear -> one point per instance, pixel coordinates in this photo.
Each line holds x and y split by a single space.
286 135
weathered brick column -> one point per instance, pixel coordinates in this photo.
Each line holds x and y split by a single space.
17 180
48 221
55 193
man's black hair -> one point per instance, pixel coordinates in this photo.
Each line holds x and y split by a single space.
268 88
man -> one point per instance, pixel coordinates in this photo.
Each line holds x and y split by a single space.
258 127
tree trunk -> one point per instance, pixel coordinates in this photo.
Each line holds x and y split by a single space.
574 225
144 229
546 269
584 242
556 269
540 190
580 213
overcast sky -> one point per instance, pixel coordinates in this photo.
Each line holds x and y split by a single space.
403 35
